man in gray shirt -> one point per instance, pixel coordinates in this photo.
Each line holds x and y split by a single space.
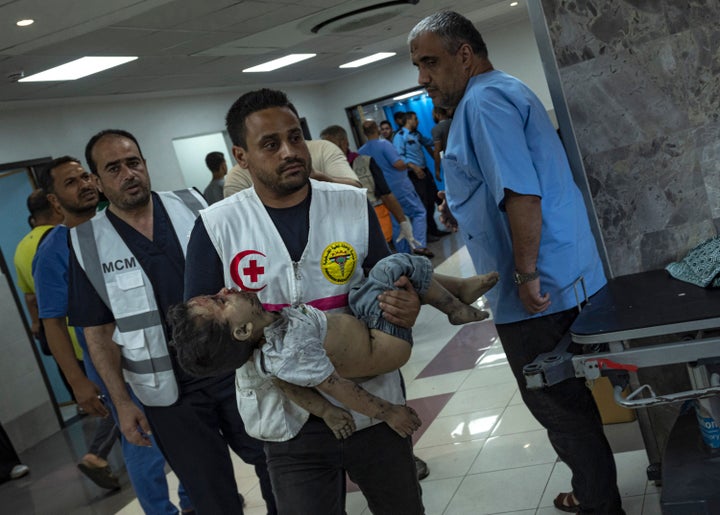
215 162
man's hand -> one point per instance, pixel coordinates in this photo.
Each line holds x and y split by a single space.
401 306
87 396
402 419
446 217
533 301
406 233
133 424
35 329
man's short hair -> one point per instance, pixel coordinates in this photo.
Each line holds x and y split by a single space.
400 118
248 104
44 176
334 133
97 137
385 122
38 204
370 127
454 31
204 346
214 161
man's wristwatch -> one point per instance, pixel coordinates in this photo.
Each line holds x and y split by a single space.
525 278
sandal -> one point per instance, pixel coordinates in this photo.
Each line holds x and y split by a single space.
566 502
101 476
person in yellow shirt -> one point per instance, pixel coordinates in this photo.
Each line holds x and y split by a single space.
43 217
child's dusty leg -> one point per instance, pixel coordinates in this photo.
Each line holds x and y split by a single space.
337 419
468 289
458 312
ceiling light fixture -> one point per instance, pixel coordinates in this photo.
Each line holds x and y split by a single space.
367 60
78 68
279 63
408 95
513 4
24 23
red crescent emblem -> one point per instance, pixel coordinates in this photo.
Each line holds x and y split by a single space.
254 271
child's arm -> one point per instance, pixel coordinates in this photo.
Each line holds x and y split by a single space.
340 421
402 419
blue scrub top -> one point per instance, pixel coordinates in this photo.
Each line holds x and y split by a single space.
384 154
501 138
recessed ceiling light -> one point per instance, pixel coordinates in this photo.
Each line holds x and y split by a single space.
367 60
24 23
78 68
408 95
279 63
513 4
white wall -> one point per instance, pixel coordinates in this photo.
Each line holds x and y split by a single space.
64 129
511 49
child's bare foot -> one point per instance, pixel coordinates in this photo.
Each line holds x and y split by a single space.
464 314
475 287
340 421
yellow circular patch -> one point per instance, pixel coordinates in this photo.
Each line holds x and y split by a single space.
338 262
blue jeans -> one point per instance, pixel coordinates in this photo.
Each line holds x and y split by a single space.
568 411
146 469
145 465
363 299
106 434
308 471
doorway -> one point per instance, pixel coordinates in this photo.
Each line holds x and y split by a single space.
384 108
17 181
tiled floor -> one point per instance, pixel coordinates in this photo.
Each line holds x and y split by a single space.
486 453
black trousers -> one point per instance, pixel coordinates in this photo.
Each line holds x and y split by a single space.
568 411
428 193
308 471
194 435
8 456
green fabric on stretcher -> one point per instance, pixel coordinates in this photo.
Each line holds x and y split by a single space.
701 266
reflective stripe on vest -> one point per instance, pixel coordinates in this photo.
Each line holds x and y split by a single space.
139 331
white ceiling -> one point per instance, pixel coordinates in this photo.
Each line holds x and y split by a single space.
186 45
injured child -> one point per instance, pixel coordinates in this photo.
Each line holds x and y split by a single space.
303 348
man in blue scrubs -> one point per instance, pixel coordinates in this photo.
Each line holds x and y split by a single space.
510 190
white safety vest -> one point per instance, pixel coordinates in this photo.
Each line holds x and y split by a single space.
122 284
255 258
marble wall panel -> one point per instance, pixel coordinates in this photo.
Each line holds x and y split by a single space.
685 14
707 141
697 52
659 248
626 98
641 79
585 29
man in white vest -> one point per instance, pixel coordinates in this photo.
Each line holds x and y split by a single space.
126 270
295 240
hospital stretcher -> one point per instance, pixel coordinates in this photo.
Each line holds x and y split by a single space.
650 322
